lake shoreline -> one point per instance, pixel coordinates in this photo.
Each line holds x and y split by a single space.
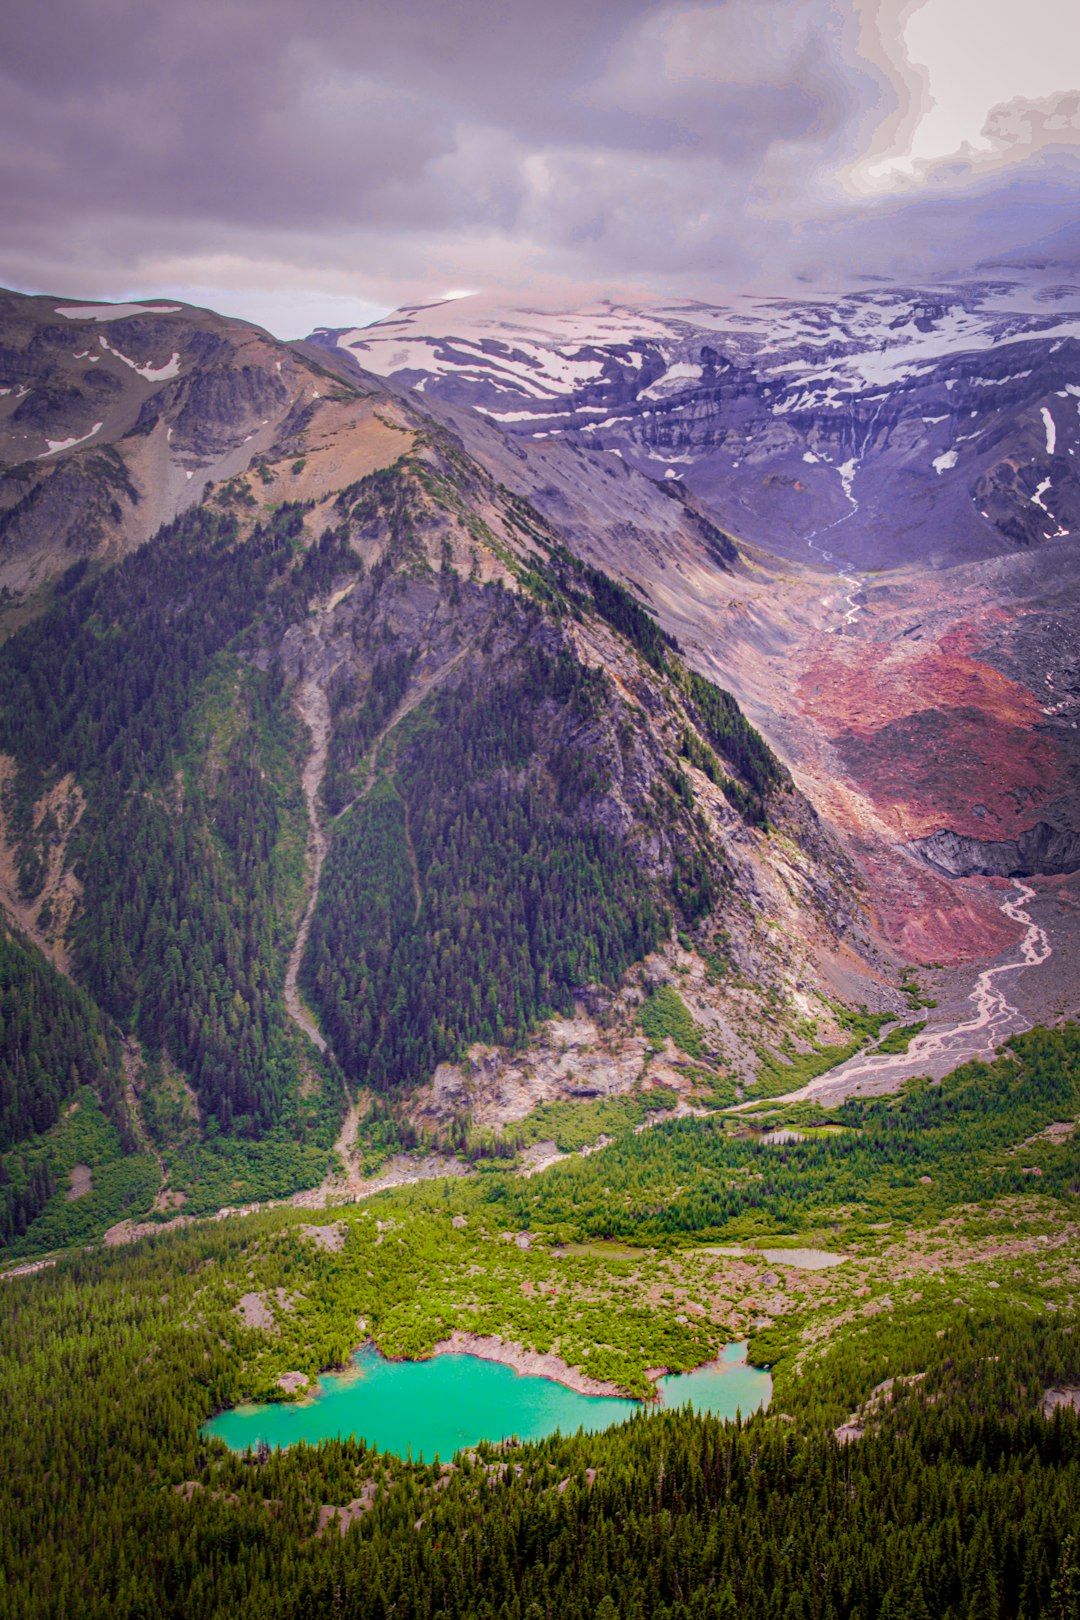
475 1387
537 1364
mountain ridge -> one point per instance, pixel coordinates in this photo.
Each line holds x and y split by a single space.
488 696
760 402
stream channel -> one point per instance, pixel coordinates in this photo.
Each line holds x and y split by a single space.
439 1406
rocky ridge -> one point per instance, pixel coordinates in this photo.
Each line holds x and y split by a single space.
961 398
115 418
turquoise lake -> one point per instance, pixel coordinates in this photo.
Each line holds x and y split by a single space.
438 1406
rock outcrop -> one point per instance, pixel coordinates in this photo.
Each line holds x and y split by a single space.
1042 850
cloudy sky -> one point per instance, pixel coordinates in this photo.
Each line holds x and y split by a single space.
319 163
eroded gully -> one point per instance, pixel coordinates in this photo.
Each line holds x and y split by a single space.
314 708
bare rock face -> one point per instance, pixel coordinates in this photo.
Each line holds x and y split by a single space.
1042 849
1066 1398
570 1060
212 409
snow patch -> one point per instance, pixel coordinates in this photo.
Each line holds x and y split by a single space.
530 368
809 456
1051 430
113 312
171 368
943 462
996 382
674 377
515 416
1037 498
56 445
812 400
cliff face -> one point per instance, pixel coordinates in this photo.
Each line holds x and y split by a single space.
1042 850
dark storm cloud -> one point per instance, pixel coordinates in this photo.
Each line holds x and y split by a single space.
390 150
276 114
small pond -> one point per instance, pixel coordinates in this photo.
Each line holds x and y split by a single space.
801 1259
438 1406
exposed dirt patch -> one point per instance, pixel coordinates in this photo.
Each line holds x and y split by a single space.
399 1171
870 1411
45 918
26 1270
82 1182
491 1348
343 1517
256 1312
1060 1131
330 1238
569 1059
1067 1397
539 1157
131 1231
290 1382
345 440
170 1200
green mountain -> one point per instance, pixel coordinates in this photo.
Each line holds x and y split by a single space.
356 772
